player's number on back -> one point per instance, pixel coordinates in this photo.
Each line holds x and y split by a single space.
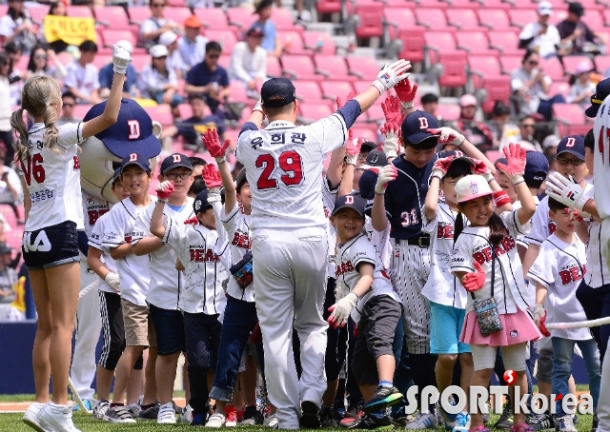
604 135
32 167
289 162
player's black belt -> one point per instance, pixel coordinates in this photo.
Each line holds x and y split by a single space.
422 241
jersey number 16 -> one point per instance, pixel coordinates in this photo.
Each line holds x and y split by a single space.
34 169
289 162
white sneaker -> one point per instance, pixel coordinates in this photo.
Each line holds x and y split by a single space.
167 414
216 420
271 421
30 416
57 418
423 421
187 414
100 409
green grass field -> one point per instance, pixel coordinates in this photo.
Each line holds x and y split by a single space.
12 423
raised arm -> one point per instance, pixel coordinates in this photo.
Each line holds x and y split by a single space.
211 175
164 191
514 169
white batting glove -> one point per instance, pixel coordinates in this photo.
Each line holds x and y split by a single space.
539 312
340 291
566 191
214 195
120 59
384 176
448 136
390 75
390 140
259 107
112 279
341 310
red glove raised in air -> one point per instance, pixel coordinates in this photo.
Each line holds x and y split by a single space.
211 176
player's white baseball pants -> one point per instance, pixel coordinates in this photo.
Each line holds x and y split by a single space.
88 328
290 284
410 270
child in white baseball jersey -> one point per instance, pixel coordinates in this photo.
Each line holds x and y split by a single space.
50 174
165 296
486 262
240 313
113 328
557 272
373 305
120 235
202 297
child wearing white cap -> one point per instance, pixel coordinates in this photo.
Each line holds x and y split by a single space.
158 81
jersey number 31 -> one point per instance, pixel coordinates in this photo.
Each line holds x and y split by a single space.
289 162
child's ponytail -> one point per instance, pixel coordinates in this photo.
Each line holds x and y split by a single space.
21 145
497 230
459 226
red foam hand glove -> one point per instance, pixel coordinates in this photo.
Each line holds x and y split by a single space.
212 144
341 103
480 167
211 176
443 164
542 327
392 111
475 280
515 161
406 91
165 190
192 221
352 147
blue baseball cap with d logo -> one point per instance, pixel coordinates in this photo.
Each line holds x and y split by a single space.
132 133
415 127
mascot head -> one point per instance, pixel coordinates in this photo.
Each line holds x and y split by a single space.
101 155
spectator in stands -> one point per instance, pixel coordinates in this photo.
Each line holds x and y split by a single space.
576 36
191 129
130 85
531 85
549 148
39 64
14 51
169 39
153 27
57 8
429 103
541 36
502 130
527 127
271 42
16 26
192 45
475 131
11 192
67 109
583 88
82 77
159 82
8 276
6 110
209 78
249 62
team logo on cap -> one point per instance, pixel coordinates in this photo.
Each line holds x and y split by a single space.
423 122
198 205
134 129
474 186
374 158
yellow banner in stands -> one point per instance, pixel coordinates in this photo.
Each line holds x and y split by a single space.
71 30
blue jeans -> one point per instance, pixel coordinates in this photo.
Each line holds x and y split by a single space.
239 321
596 303
563 352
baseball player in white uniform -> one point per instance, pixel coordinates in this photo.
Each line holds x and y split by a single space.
284 169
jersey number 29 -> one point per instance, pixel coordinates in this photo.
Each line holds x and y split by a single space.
34 169
289 162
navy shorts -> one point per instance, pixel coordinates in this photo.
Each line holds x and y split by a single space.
169 329
50 246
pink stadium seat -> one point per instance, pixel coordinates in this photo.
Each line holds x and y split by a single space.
308 91
510 63
111 16
328 6
594 19
454 69
177 3
226 38
463 19
138 14
498 89
79 11
332 89
496 4
396 18
334 68
437 43
520 17
274 68
3 9
448 112
481 66
102 60
212 18
37 13
162 114
570 63
177 14
552 67
506 42
375 113
283 20
185 111
433 19
111 36
139 61
474 42
238 92
293 42
371 15
460 4
80 110
413 43
313 111
360 86
571 119
602 63
300 67
319 42
560 87
494 19
240 17
362 67
368 133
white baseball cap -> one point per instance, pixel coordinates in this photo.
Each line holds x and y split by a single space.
470 187
167 38
545 8
158 51
126 45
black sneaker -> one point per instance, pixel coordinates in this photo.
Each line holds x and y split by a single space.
252 416
542 422
326 417
370 422
177 409
150 413
309 416
118 414
383 398
595 422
